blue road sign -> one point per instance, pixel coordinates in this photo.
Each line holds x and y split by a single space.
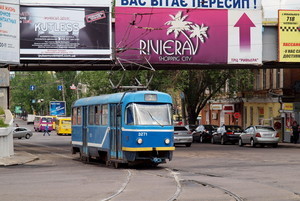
32 87
59 87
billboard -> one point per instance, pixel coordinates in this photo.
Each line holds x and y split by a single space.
9 32
271 7
65 33
289 35
189 36
58 108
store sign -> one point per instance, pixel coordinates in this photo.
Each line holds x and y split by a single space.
228 108
289 32
169 33
288 106
65 33
216 107
9 32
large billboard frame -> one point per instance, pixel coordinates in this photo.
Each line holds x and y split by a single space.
288 36
49 33
9 32
168 34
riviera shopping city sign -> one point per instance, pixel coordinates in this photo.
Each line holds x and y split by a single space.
189 32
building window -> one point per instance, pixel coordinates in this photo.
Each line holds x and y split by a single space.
277 78
251 115
264 79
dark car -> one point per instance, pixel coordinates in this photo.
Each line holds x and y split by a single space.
191 128
227 133
203 133
20 132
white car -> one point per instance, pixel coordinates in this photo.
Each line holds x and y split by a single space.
259 134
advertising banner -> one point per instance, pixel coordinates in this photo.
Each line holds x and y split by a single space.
191 36
57 108
65 33
9 32
289 35
198 4
66 2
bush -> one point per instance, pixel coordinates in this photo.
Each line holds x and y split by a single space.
2 124
1 111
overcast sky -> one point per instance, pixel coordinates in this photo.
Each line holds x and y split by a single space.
271 7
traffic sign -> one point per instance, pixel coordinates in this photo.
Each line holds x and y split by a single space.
32 87
59 87
237 115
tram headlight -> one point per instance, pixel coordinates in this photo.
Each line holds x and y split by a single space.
139 140
167 141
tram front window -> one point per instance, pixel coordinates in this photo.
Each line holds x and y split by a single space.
145 114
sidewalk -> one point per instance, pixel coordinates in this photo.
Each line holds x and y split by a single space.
19 158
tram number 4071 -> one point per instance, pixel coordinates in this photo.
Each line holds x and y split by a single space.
142 134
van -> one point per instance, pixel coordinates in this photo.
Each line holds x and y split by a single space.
30 119
40 123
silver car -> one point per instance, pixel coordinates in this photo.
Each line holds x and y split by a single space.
182 136
261 135
20 132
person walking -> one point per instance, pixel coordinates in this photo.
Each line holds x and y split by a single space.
46 130
295 128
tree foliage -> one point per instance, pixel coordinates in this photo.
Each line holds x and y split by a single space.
46 83
199 86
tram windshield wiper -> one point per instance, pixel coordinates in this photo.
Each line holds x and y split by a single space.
154 119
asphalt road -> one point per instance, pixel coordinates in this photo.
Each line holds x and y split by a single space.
208 172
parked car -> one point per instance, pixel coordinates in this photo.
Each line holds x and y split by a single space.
20 132
191 128
203 133
259 134
227 133
182 136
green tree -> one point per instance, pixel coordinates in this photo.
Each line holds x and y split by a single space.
46 90
199 86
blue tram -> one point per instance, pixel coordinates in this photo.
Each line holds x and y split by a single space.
129 127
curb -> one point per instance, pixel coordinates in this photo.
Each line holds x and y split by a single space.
18 158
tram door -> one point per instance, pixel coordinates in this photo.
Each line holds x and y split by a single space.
115 129
84 132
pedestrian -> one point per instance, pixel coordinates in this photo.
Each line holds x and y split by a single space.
46 130
17 125
295 129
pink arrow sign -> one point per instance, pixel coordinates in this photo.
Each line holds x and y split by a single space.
245 24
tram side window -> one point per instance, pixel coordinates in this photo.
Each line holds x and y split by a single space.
104 115
74 116
97 114
129 115
78 116
91 115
